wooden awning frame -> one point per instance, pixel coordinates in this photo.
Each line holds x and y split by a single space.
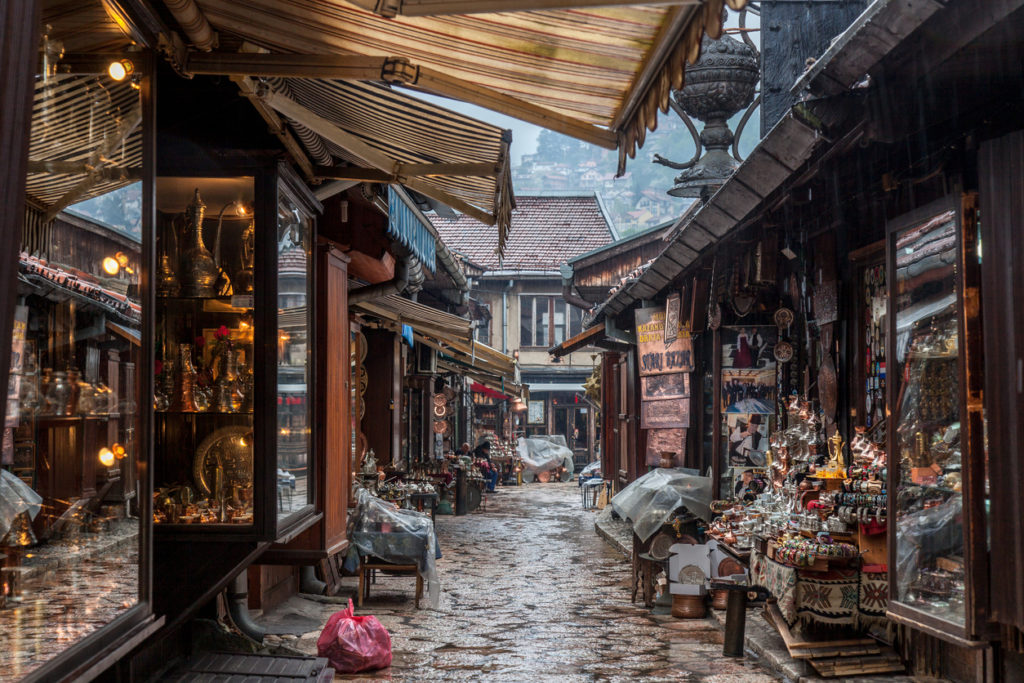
587 337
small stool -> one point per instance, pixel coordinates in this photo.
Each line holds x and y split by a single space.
736 614
590 492
366 568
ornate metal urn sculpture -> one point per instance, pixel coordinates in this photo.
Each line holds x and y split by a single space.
718 86
199 272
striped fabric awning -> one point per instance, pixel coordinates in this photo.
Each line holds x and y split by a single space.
405 130
86 139
598 73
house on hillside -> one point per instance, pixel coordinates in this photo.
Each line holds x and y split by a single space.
526 312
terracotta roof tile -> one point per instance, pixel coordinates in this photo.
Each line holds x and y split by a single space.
546 232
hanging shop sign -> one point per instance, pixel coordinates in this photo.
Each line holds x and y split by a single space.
659 355
667 413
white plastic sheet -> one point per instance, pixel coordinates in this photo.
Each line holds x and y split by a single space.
16 497
542 453
650 501
399 536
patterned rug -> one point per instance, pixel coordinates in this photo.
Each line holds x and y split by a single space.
828 597
779 579
874 597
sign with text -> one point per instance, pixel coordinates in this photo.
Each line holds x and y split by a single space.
655 355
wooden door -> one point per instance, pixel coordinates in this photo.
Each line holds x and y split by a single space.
335 386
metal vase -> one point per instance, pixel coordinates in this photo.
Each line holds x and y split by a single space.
184 391
198 272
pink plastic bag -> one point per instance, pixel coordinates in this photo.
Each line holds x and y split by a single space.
353 644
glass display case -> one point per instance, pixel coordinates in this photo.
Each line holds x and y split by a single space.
232 434
73 578
929 452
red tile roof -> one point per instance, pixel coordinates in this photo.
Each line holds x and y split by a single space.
546 232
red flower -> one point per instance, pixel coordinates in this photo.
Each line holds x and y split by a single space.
222 332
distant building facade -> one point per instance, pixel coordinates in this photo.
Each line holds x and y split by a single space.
519 307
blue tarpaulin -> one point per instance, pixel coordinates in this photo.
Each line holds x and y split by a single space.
407 227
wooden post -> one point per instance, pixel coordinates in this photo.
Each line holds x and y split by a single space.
19 40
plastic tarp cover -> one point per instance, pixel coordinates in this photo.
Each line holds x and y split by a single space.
650 501
542 453
382 530
16 497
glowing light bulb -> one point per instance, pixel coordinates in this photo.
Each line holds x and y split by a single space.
120 69
111 266
106 457
119 451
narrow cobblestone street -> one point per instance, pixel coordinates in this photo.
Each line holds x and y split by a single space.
529 592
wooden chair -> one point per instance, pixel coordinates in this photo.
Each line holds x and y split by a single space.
367 566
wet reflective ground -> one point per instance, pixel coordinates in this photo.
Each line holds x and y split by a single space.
529 592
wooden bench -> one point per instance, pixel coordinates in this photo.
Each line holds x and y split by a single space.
369 565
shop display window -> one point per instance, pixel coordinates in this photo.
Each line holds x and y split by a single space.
294 446
929 501
205 370
73 453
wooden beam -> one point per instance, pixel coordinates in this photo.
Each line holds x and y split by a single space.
326 129
429 190
277 127
81 168
268 64
397 71
426 8
404 171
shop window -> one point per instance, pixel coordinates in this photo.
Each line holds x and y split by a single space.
547 320
482 333
294 454
73 451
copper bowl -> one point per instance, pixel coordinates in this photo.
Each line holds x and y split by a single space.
689 606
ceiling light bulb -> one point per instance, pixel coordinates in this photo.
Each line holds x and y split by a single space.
106 456
120 69
119 451
111 266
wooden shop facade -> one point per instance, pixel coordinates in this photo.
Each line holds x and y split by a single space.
847 318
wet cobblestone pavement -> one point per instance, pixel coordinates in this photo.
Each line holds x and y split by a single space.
529 592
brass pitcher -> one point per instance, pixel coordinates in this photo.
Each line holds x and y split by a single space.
199 272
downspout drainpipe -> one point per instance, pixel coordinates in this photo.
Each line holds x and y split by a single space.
238 608
193 22
504 316
308 583
567 294
394 286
